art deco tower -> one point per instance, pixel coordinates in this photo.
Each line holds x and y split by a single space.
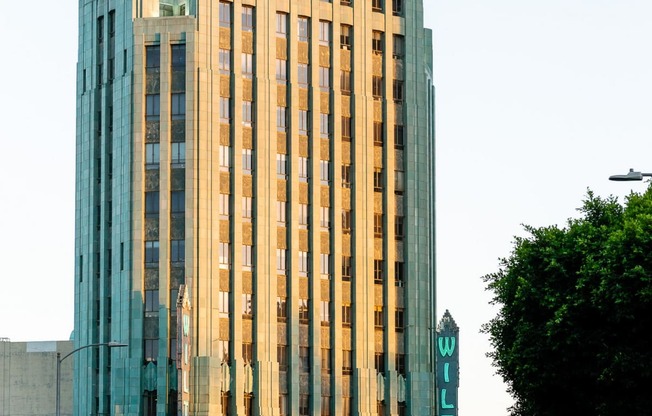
269 166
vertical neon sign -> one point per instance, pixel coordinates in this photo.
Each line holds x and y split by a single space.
448 360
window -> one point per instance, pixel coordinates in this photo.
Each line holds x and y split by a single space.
304 359
153 56
223 304
326 366
324 78
283 405
225 158
400 363
225 61
303 122
151 350
225 110
178 53
398 136
100 29
399 47
325 172
281 71
378 225
247 208
378 133
247 161
377 5
281 166
281 309
347 318
379 362
304 404
379 320
178 202
282 357
224 206
151 204
378 180
247 306
281 213
303 263
178 156
247 65
247 113
325 125
303 76
281 119
346 221
325 313
398 227
398 90
303 29
281 25
304 315
247 352
325 218
397 7
378 271
347 362
345 82
377 42
346 36
247 18
151 303
346 176
303 169
247 257
281 261
225 255
152 107
152 155
377 87
225 14
400 273
325 265
346 268
324 32
304 216
399 319
151 253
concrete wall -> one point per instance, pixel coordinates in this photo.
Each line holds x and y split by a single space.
28 378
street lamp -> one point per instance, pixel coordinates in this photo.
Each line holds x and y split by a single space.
111 344
630 176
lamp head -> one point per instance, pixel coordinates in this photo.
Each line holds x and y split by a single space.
630 176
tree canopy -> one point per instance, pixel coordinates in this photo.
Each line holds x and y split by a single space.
573 332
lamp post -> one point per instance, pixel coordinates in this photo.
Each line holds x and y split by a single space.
111 344
630 176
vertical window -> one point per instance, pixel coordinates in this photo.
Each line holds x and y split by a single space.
225 255
224 206
398 227
377 42
399 46
378 225
178 156
303 263
303 122
247 352
377 87
324 78
325 125
347 363
223 304
347 318
247 113
247 18
247 65
247 257
151 253
304 316
151 351
152 107
281 261
346 221
281 25
177 251
346 128
281 213
378 133
346 37
379 320
378 180
281 166
281 310
346 268
325 313
281 119
379 362
282 357
324 32
152 155
151 303
303 169
399 271
304 216
399 317
177 202
324 172
247 208
377 5
303 29
398 136
225 14
178 104
345 82
304 400
303 75
398 90
397 7
325 220
326 366
247 306
378 271
346 176
225 61
225 110
281 71
178 53
325 266
400 364
247 161
225 158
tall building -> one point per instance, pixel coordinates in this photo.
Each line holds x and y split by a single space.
275 159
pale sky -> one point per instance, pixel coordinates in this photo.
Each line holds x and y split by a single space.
536 102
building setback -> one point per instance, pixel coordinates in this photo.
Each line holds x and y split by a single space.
276 158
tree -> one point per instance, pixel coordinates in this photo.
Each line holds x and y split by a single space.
573 334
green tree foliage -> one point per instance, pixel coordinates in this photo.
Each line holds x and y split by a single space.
574 328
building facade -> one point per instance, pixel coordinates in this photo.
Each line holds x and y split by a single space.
28 378
255 208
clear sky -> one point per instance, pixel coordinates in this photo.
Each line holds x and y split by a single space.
537 101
